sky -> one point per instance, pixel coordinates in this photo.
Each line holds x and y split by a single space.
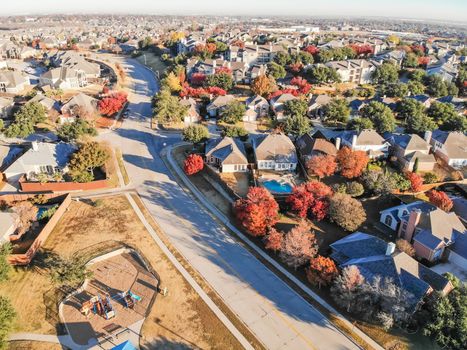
451 10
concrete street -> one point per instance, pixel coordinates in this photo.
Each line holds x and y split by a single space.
278 316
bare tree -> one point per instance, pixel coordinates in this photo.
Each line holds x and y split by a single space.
27 213
346 286
299 245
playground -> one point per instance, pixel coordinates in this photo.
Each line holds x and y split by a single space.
113 303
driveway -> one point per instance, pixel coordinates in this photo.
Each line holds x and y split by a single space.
278 316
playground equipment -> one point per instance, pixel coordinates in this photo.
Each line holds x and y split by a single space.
130 299
99 306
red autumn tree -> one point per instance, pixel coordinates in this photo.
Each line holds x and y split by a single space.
198 78
112 104
310 199
321 271
351 163
423 61
363 49
239 43
296 67
193 164
416 181
311 49
273 240
258 211
225 70
304 86
322 165
440 199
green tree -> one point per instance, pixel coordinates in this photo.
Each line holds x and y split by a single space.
415 87
71 271
2 125
396 90
5 267
282 58
323 74
379 182
410 61
235 131
419 123
382 117
417 75
89 156
447 317
233 112
360 124
441 112
72 131
437 87
387 73
297 125
336 111
195 133
25 119
456 123
276 71
222 80
7 316
347 212
168 109
295 107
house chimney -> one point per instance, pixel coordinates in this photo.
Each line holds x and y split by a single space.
354 141
35 146
214 64
338 143
390 248
427 136
414 219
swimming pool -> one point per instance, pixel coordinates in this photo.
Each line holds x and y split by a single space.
275 186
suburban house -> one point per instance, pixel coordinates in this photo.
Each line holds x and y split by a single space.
395 57
8 224
366 140
316 104
42 157
357 71
6 105
257 107
226 154
451 147
189 43
445 69
409 149
308 146
375 257
428 228
210 66
254 54
277 104
425 100
80 105
192 115
274 151
47 102
12 82
215 108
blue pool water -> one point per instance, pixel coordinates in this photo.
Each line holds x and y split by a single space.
40 211
276 187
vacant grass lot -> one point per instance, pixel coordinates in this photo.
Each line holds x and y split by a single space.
89 227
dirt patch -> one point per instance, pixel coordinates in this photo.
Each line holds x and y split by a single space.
33 345
239 182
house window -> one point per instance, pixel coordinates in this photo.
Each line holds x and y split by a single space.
388 220
235 167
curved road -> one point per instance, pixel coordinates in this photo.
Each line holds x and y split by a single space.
278 316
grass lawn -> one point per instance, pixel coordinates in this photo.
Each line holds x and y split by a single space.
326 233
153 62
121 165
33 345
94 227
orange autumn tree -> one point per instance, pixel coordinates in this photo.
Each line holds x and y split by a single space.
193 164
273 240
416 181
351 163
263 85
321 271
440 199
322 165
258 211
